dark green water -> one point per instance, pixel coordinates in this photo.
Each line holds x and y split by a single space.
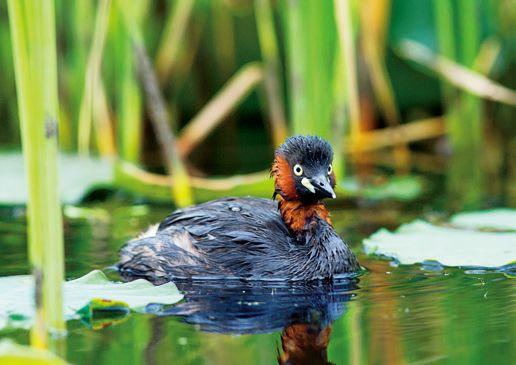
393 315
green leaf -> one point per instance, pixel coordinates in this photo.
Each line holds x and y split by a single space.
400 188
17 307
496 219
420 241
78 176
14 354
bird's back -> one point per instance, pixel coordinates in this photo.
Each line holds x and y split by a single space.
230 237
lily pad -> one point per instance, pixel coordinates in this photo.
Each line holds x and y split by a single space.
495 219
399 188
78 176
420 241
17 307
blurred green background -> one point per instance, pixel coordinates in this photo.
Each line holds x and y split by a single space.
398 84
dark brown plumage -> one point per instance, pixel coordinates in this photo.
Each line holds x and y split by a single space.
249 238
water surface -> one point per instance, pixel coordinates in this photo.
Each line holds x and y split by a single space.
390 315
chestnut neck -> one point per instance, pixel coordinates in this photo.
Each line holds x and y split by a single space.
299 215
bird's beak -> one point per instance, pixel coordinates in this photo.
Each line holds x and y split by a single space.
320 185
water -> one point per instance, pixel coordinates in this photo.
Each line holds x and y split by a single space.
391 315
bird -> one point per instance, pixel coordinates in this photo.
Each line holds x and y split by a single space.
289 237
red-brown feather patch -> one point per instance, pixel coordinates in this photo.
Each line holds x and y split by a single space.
297 215
283 179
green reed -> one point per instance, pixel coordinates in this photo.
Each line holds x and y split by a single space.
269 48
310 37
93 88
77 17
172 37
128 98
159 115
464 111
469 47
311 61
34 51
444 20
321 55
346 85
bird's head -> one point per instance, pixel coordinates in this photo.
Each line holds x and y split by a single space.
302 169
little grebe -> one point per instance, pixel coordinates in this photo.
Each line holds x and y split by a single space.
290 238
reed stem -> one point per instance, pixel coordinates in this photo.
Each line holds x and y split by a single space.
446 39
457 75
34 50
218 108
374 23
129 101
374 26
173 38
340 115
223 37
465 112
347 44
160 118
273 78
181 189
105 133
470 46
92 77
296 64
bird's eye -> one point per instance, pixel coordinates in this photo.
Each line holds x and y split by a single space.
330 169
298 170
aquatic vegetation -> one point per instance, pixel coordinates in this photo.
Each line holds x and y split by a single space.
35 60
397 188
17 307
325 68
493 219
76 179
459 245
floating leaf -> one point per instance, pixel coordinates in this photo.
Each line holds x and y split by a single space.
496 219
401 188
78 176
17 308
420 241
14 354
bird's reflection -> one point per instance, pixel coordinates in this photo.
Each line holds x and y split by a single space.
303 312
305 343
